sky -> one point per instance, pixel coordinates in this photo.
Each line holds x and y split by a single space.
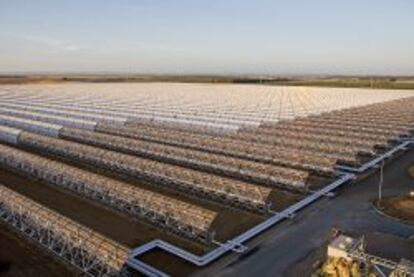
208 37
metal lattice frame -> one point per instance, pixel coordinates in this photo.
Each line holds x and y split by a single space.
295 158
296 141
359 254
378 123
227 190
228 166
239 168
304 158
183 125
78 245
338 151
178 216
338 147
259 135
271 130
339 124
60 120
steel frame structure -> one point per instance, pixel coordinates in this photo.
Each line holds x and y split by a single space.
190 139
90 252
301 158
222 165
295 158
180 217
221 189
359 254
213 163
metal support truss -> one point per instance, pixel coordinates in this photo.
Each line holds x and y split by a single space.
178 216
188 180
90 252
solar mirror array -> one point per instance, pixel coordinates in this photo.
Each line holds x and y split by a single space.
194 152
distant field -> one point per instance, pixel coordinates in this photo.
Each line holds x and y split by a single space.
383 82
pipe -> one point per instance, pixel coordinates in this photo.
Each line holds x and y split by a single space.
231 244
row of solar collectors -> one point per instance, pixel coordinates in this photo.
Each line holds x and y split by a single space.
169 104
147 105
199 142
343 152
127 165
228 190
114 161
393 117
346 152
85 113
236 119
217 120
61 234
179 216
376 124
79 113
95 117
210 93
194 158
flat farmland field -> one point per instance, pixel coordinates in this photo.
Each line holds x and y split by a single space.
168 177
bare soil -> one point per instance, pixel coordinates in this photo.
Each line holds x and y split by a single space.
411 171
21 257
157 258
389 246
310 263
401 207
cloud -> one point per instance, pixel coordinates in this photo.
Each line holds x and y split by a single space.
52 43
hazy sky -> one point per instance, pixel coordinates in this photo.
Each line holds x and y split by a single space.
214 36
